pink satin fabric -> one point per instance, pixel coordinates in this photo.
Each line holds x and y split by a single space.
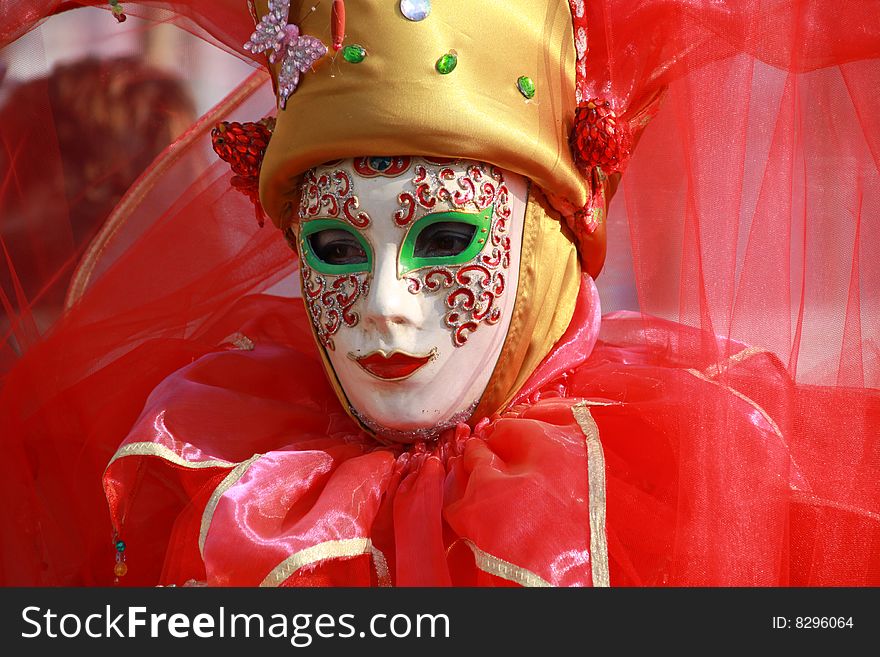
708 478
318 479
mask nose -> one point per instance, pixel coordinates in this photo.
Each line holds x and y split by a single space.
389 304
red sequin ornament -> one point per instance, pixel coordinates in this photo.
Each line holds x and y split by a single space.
243 146
599 138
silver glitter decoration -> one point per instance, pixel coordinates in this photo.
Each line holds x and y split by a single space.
415 10
415 435
276 36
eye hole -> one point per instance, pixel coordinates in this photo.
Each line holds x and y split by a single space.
337 247
445 238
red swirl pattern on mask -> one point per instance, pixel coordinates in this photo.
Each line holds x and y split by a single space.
467 193
464 297
472 289
331 195
330 301
403 217
424 197
436 279
351 213
460 328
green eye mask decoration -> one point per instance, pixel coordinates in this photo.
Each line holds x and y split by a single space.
442 239
335 248
445 239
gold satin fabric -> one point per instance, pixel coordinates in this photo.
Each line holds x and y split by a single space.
396 103
549 279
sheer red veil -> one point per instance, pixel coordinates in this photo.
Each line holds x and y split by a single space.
747 218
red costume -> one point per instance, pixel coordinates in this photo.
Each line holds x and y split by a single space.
666 454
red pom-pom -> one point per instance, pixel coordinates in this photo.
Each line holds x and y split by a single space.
599 138
243 146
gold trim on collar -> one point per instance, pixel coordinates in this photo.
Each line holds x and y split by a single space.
601 402
352 547
167 454
383 575
751 402
228 482
504 569
714 370
596 478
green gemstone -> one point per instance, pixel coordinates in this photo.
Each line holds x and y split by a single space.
526 86
120 546
354 54
447 63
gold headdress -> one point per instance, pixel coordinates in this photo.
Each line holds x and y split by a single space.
495 81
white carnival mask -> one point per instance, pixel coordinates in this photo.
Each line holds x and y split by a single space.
409 274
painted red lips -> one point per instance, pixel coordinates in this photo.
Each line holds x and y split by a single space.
394 366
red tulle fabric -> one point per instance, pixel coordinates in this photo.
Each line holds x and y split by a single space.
738 411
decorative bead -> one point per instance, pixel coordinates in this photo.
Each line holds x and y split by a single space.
599 138
117 11
120 546
526 86
277 37
120 569
354 54
447 63
337 23
243 145
415 10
